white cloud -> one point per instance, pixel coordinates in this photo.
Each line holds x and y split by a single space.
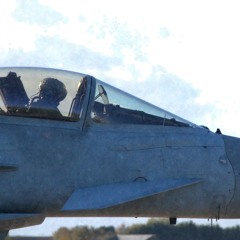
14 34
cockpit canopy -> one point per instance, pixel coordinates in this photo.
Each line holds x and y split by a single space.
60 95
112 105
41 93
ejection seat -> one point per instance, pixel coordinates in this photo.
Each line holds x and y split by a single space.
13 93
77 102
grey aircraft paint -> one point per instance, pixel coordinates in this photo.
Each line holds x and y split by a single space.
106 154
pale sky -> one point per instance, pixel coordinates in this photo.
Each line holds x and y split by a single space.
182 56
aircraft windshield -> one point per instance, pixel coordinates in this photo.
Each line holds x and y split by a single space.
41 93
112 105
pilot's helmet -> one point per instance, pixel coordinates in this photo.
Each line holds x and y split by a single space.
52 89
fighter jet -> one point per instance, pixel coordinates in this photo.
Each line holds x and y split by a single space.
73 145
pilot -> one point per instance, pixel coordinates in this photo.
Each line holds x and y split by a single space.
51 93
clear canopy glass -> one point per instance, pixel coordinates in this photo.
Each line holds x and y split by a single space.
41 93
59 95
115 106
